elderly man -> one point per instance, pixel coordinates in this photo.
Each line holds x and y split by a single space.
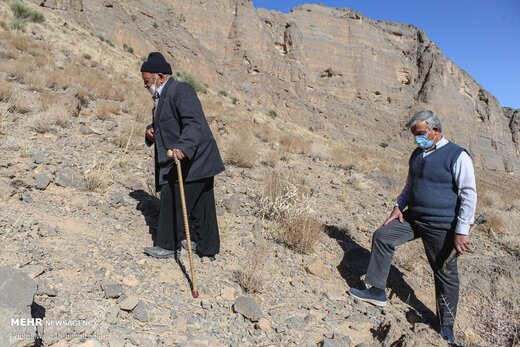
440 197
179 125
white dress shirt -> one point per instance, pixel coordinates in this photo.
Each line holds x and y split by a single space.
467 190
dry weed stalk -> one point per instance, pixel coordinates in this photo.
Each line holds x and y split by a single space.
253 275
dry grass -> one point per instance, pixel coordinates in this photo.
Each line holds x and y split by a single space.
4 122
294 143
301 233
499 324
241 151
271 159
253 275
100 177
39 80
6 92
43 122
283 198
106 109
266 133
127 137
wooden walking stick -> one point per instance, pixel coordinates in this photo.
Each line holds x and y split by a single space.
194 291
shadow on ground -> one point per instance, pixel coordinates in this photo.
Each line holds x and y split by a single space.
354 265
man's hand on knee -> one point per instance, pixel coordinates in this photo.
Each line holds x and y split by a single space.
396 214
462 243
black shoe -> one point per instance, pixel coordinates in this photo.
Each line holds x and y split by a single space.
159 252
447 334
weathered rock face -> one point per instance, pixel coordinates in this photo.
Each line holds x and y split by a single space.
333 70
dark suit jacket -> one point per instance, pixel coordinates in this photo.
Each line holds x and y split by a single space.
180 123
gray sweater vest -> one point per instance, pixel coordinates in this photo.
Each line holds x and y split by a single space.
433 195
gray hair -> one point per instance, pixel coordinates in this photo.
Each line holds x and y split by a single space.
429 117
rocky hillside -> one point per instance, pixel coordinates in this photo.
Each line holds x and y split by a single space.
310 124
334 71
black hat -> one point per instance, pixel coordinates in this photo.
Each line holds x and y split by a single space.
156 64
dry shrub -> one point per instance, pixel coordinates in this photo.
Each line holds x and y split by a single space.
241 151
43 122
100 177
18 70
140 107
265 133
301 233
499 324
271 159
39 80
253 275
127 137
19 104
4 122
294 143
20 42
283 198
6 91
358 181
105 109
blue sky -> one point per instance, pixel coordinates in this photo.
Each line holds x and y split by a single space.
482 37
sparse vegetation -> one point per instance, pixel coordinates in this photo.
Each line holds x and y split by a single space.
252 276
199 86
241 151
103 39
99 177
294 143
43 123
24 14
272 114
128 48
301 233
106 109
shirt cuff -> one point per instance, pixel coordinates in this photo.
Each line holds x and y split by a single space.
462 228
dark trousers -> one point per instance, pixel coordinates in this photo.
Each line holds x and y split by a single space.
202 216
438 241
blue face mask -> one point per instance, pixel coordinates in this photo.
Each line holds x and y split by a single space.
423 141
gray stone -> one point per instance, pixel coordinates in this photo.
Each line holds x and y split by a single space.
140 312
336 340
16 288
41 181
112 291
116 199
67 177
129 303
38 157
247 307
47 231
232 203
27 197
45 289
111 315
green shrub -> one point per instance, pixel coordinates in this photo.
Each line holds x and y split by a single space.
23 12
18 24
128 48
272 114
199 86
223 93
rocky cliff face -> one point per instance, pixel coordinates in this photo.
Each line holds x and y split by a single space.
334 70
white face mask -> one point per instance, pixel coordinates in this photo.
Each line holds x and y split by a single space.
153 88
